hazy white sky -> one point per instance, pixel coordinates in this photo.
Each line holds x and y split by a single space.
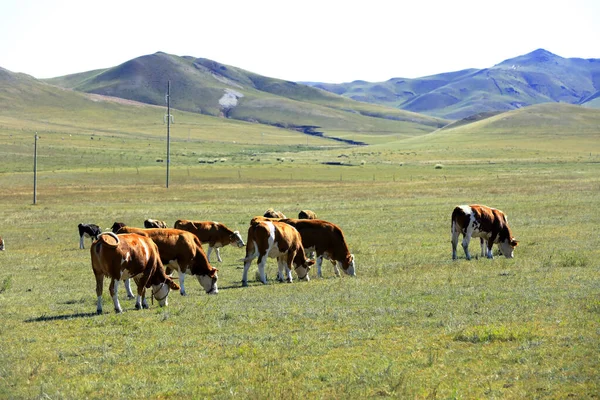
308 40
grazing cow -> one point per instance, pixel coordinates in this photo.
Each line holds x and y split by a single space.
489 224
91 231
327 240
120 257
181 251
215 234
154 223
307 214
1 244
271 213
276 240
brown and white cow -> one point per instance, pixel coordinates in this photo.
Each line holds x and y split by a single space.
489 224
1 244
307 214
120 257
271 213
327 240
181 251
216 234
276 240
154 223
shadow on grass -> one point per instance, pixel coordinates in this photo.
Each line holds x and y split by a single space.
45 318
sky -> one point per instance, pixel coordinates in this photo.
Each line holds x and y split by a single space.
320 41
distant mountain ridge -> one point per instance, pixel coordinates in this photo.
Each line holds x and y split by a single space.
533 78
204 86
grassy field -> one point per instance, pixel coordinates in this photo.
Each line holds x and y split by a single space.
412 324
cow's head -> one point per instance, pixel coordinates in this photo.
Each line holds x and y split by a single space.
116 226
161 291
507 247
303 268
236 238
348 265
1 244
209 282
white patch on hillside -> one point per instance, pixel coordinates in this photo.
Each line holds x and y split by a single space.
230 98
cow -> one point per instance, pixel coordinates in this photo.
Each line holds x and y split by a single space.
489 224
216 234
154 223
307 214
276 240
2 245
327 240
91 231
271 213
182 251
120 257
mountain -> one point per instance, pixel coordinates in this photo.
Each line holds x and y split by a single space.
204 86
537 77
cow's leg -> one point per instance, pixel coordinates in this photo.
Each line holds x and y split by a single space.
490 247
465 243
99 286
262 261
81 246
287 266
247 262
218 254
483 245
455 235
319 262
335 268
144 301
128 289
210 249
182 283
114 286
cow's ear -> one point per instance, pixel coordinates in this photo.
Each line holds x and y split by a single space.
310 262
214 272
514 243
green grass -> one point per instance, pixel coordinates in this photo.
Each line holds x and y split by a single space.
412 324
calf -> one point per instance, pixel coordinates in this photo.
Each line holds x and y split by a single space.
489 224
1 244
215 234
276 240
154 223
307 214
327 240
271 213
129 255
181 251
91 231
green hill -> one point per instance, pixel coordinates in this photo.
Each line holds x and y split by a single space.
539 132
203 86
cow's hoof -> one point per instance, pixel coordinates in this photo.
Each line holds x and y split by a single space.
99 311
244 284
138 306
118 311
183 293
130 297
146 306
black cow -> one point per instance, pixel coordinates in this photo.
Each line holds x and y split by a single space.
88 230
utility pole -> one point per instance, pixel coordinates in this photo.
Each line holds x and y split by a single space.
168 129
35 170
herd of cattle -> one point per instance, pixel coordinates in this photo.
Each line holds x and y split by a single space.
151 254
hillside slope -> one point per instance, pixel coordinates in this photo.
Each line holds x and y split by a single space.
534 78
208 87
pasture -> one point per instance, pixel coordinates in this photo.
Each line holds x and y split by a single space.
412 324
